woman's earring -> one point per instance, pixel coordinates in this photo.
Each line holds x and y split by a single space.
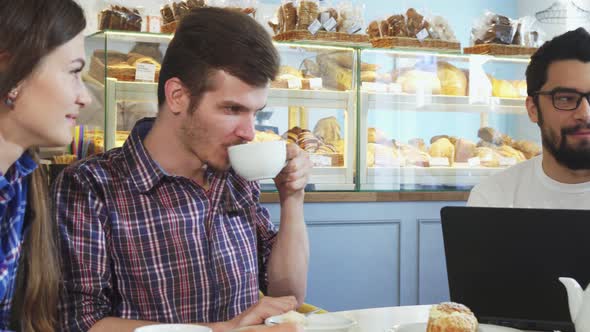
10 98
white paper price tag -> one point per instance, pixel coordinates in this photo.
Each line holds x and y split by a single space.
145 72
354 29
423 34
320 161
394 88
439 161
154 23
388 161
330 24
368 86
324 17
314 27
316 83
507 161
474 162
294 83
380 87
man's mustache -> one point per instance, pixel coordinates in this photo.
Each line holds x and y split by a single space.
574 129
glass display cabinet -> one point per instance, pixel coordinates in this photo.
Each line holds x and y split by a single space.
312 102
435 121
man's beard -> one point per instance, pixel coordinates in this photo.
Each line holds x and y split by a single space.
192 132
575 158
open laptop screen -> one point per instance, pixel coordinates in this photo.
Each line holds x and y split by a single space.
504 263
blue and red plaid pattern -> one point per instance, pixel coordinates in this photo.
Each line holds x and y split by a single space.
141 244
13 203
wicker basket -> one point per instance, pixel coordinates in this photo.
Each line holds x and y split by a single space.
499 49
304 35
414 43
168 27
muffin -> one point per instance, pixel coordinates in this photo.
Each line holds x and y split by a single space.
451 317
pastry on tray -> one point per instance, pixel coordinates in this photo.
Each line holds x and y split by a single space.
451 317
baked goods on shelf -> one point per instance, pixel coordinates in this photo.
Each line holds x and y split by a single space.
381 155
174 11
508 89
287 15
453 81
464 150
328 130
415 22
443 148
447 80
119 18
497 29
266 136
307 12
376 135
418 143
494 149
499 35
528 148
334 75
505 146
305 20
507 151
310 143
412 30
451 317
119 65
490 135
396 26
413 156
415 80
293 78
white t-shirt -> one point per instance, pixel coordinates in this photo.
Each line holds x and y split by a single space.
527 186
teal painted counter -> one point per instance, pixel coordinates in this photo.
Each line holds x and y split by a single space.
374 254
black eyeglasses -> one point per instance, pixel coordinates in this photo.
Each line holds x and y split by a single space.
565 99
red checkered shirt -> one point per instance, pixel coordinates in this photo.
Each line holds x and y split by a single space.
140 244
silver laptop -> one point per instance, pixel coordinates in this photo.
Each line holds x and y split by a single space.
504 263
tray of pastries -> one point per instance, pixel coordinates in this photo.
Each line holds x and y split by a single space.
121 66
494 149
413 30
306 21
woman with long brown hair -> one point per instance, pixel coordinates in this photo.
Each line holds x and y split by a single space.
41 93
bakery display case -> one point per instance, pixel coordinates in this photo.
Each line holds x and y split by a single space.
435 121
312 102
122 75
370 119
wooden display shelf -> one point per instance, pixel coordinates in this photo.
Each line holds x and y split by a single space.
500 50
441 103
322 36
352 197
414 43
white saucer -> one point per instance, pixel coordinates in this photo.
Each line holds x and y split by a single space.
319 322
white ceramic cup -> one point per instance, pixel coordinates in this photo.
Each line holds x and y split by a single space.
258 161
173 328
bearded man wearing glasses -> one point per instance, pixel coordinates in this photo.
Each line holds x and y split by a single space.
558 88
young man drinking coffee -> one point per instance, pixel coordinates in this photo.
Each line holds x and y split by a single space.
162 229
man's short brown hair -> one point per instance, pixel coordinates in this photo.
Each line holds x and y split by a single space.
212 39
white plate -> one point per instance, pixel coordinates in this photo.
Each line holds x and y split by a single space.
421 327
319 322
